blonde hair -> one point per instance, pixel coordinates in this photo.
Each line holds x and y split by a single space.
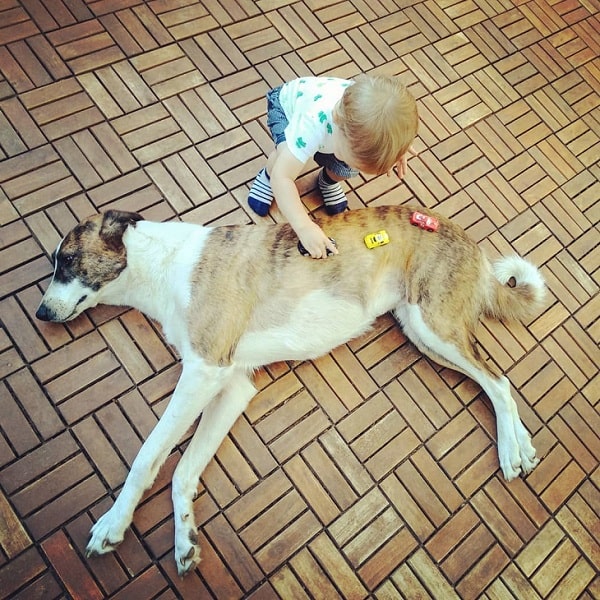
378 117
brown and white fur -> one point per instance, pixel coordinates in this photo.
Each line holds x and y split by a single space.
232 299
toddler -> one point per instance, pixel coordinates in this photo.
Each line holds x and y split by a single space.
366 125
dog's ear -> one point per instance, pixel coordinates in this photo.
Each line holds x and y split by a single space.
114 224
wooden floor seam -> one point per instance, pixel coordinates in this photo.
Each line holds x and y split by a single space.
371 472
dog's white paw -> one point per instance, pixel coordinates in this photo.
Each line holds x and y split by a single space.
528 464
510 459
520 458
187 551
528 458
510 472
106 534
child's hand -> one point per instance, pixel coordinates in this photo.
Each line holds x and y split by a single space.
401 166
315 241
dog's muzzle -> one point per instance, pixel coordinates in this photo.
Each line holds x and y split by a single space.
58 314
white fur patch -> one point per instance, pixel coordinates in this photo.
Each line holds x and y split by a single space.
173 251
318 323
524 272
413 325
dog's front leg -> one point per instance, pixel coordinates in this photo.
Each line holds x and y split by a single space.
217 419
196 387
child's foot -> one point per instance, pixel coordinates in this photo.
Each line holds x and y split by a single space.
261 195
333 194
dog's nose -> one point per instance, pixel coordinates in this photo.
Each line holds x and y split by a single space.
43 313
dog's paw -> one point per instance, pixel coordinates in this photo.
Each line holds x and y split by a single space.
105 535
510 460
522 458
528 464
528 459
187 552
510 472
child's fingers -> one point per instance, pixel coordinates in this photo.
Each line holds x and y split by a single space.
402 165
321 248
327 250
399 169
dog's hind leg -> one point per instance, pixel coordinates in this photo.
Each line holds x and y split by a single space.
217 419
515 451
198 385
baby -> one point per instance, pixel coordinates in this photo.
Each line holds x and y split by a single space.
366 125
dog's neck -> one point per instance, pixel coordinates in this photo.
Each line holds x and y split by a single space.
155 262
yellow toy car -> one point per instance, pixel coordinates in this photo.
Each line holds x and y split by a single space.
379 238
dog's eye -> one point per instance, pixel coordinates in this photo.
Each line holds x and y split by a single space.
68 259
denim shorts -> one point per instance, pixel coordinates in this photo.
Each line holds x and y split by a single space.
277 122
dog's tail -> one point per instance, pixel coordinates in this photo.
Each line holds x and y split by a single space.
521 291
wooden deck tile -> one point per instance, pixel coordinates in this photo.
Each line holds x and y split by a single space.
370 472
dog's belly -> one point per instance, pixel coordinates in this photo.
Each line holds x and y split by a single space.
314 326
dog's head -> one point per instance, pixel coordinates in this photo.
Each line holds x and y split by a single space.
90 256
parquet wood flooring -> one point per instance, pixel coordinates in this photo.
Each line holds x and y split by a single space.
371 472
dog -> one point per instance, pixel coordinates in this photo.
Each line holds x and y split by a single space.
234 298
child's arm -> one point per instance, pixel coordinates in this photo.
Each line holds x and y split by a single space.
284 172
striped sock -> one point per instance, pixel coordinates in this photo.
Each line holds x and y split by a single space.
333 194
261 195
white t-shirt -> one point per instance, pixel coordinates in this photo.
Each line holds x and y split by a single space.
308 104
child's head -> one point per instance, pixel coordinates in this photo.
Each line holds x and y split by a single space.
378 117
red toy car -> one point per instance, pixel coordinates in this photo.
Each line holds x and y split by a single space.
424 222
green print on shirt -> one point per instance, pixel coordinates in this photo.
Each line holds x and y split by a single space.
329 128
317 97
322 117
300 143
